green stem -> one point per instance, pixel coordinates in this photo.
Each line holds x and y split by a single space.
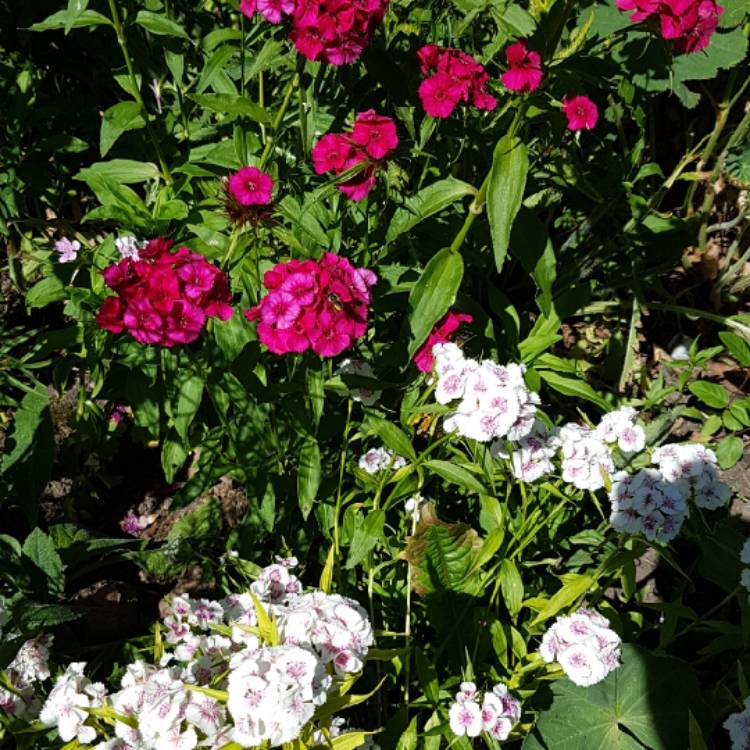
342 466
120 32
277 120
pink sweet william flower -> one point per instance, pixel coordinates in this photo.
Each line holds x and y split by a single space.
320 305
451 76
524 68
251 187
688 23
581 112
440 94
375 133
331 152
372 139
165 297
440 334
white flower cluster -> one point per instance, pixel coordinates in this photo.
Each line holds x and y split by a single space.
738 726
619 427
647 503
366 396
692 467
29 666
654 502
272 689
494 401
379 459
584 646
745 560
498 713
585 452
68 703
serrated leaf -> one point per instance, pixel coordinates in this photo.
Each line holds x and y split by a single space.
441 553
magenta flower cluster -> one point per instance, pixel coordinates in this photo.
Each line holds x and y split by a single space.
313 304
452 77
688 23
164 298
372 139
332 31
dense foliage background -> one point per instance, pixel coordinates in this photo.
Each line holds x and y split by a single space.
612 262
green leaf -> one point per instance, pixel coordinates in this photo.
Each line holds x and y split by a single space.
393 437
160 25
189 395
173 456
729 451
26 465
441 554
266 625
426 202
574 587
232 335
433 294
117 120
408 740
144 401
711 394
510 164
60 19
232 105
308 475
512 586
45 292
40 551
206 522
214 66
737 165
456 475
366 536
124 171
571 386
643 703
31 617
736 345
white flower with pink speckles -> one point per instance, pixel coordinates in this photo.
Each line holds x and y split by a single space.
496 712
584 646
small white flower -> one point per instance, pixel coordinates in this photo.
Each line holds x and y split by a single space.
67 250
128 247
465 719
